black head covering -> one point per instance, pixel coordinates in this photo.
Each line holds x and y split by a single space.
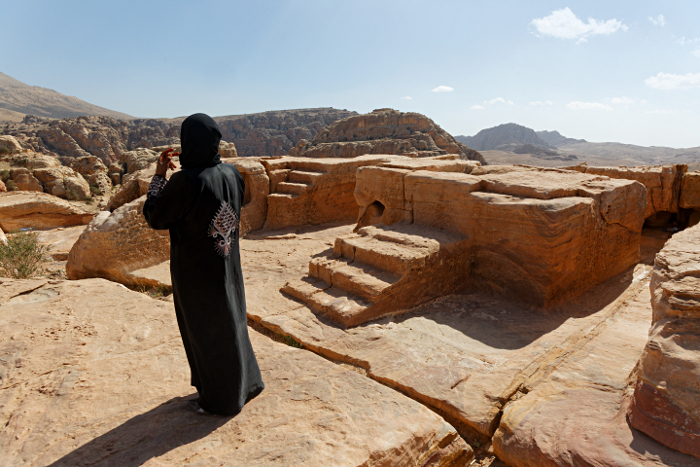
199 136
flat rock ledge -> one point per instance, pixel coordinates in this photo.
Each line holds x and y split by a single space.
94 374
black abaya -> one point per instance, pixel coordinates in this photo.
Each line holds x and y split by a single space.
201 207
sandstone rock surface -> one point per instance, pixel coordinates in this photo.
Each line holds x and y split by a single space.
463 355
60 240
666 402
690 191
9 145
85 385
383 131
94 171
39 211
63 182
25 180
306 191
470 357
114 244
574 412
663 183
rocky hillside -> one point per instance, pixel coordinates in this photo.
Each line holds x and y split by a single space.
263 134
503 137
18 99
384 131
556 139
275 133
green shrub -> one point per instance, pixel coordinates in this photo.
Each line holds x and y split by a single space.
70 194
4 175
23 256
289 340
10 185
95 190
4 151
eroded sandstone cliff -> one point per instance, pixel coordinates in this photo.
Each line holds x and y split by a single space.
384 131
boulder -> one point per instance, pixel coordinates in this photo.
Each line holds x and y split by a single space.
227 150
134 185
39 211
94 172
3 238
3 188
63 182
138 159
25 180
383 131
666 402
116 243
9 145
95 374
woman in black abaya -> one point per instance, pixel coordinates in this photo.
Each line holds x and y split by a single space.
201 206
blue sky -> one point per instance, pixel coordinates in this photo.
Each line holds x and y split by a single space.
626 71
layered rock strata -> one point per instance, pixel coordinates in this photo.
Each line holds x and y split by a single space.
384 131
666 402
39 211
116 243
69 372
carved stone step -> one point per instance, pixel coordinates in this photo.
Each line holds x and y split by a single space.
396 249
361 279
291 188
332 302
300 176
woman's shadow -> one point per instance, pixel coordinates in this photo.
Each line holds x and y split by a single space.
145 436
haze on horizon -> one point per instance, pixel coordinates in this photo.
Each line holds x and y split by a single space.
623 72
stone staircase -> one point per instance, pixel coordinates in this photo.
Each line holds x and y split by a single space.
298 181
383 270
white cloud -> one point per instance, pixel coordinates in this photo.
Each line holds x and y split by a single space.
498 100
477 107
443 89
536 103
668 81
658 21
408 98
564 24
622 100
684 41
576 105
695 53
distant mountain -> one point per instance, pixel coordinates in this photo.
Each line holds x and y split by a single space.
503 137
18 99
557 139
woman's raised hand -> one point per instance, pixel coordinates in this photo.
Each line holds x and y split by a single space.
165 162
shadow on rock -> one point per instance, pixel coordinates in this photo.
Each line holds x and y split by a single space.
145 436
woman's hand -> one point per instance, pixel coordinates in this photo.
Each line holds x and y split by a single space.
165 162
